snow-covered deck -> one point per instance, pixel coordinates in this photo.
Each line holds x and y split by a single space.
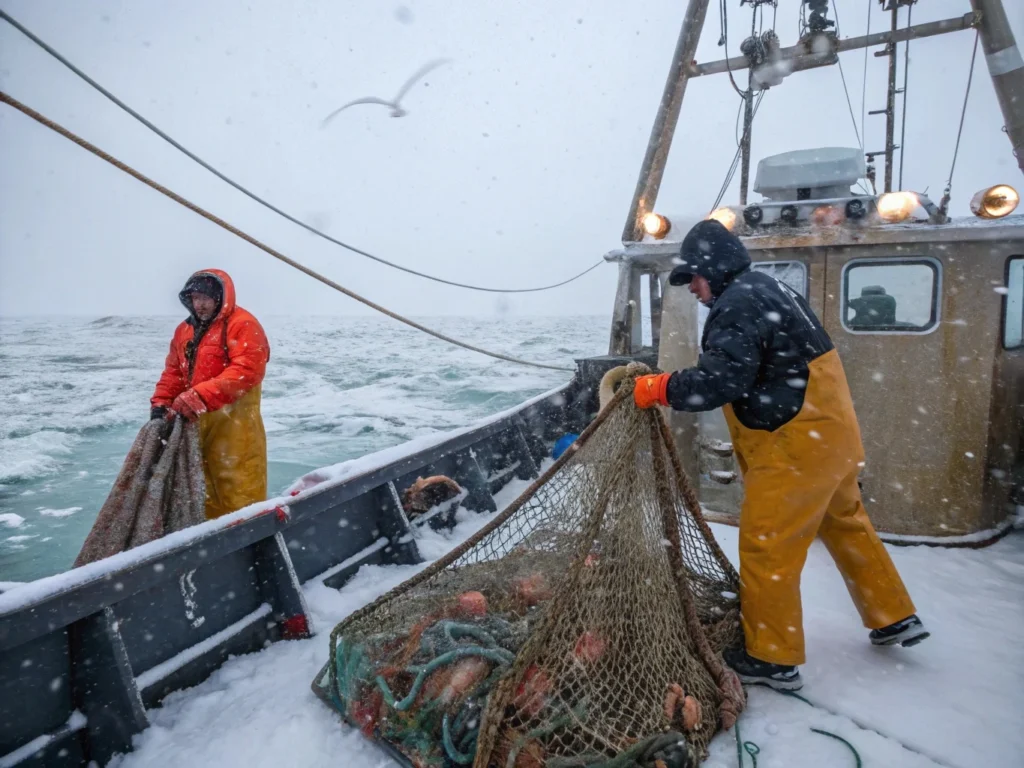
956 700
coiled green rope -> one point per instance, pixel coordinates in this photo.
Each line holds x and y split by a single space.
754 750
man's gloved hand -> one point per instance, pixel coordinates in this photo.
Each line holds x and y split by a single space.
189 405
651 390
158 412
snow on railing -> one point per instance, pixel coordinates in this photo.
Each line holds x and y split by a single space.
75 723
193 652
377 546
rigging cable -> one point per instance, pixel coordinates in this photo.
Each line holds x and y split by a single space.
723 17
906 73
944 205
256 198
842 74
42 120
731 173
848 102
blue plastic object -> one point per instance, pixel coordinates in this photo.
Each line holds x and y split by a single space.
563 443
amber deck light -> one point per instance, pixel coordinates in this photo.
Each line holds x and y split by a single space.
656 225
995 202
894 207
724 216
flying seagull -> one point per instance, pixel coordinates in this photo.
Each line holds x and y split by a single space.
396 107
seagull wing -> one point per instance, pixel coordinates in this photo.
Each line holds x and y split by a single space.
365 100
418 75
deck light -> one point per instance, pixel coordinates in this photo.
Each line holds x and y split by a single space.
656 225
826 216
894 207
753 215
856 209
995 202
724 216
789 214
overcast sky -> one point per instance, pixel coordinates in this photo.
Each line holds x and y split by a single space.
515 165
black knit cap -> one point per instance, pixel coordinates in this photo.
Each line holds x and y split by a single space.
713 252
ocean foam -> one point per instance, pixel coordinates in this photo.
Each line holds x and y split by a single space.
59 512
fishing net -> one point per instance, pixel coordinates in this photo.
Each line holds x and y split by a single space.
160 489
582 627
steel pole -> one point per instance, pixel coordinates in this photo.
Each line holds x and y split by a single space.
748 124
1006 68
653 168
890 100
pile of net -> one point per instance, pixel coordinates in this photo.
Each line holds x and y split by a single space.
582 627
160 489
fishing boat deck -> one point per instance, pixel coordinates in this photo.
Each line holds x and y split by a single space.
952 701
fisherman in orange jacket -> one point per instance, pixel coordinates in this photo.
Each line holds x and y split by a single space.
213 374
769 364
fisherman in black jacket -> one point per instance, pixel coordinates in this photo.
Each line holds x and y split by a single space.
768 363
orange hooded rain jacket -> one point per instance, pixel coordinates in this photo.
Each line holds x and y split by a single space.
221 374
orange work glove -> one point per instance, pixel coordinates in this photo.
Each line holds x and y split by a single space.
651 390
189 405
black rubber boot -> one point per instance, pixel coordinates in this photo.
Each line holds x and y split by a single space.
907 633
753 671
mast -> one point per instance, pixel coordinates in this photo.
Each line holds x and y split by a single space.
653 168
890 98
1006 68
748 124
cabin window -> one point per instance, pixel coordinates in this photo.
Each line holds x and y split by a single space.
792 273
1013 313
891 296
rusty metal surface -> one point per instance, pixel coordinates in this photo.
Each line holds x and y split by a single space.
941 414
924 400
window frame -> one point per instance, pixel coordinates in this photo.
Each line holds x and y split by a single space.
936 316
1005 314
787 263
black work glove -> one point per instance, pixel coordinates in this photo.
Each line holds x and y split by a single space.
157 412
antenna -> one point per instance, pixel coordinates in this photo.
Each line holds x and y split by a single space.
893 6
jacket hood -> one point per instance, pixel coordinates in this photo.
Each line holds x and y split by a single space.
713 252
227 285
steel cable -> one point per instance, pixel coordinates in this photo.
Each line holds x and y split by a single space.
42 120
256 198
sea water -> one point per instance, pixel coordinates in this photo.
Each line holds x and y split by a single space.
74 392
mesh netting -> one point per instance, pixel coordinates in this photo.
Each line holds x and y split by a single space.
582 627
160 489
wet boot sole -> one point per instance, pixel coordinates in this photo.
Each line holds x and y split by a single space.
767 682
906 640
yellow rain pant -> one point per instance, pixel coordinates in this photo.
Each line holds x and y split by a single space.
801 482
234 447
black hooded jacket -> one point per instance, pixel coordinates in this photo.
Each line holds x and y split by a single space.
758 339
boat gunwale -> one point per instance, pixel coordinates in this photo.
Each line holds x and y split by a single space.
59 600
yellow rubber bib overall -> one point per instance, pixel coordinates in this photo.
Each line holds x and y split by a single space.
801 482
234 447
